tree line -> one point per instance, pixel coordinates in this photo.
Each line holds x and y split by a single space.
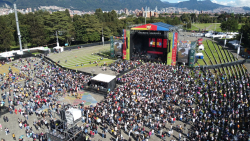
39 28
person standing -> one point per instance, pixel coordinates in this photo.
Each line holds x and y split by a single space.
14 136
4 119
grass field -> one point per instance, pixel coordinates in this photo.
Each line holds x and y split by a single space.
210 26
203 25
78 56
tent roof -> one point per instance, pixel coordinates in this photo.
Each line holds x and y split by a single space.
6 54
57 47
104 77
160 26
199 54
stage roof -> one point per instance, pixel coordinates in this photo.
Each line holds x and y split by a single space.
104 78
154 27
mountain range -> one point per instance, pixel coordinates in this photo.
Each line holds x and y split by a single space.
198 5
91 5
87 5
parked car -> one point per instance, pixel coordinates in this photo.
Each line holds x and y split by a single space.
219 35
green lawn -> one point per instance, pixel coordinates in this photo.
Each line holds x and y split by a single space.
202 25
209 26
83 56
192 28
216 55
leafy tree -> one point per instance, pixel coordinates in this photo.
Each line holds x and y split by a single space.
106 33
189 25
38 34
230 25
193 17
99 14
245 31
61 23
5 35
25 38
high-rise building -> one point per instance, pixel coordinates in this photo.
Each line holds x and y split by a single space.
126 11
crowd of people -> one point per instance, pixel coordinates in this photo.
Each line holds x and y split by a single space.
153 101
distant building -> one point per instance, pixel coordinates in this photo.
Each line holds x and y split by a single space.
126 11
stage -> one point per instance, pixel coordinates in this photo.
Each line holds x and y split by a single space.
155 42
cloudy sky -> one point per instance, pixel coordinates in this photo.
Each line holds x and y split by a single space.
235 3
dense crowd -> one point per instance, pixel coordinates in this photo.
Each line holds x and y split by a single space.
154 100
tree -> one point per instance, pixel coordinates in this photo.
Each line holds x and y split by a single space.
93 29
230 25
25 32
38 33
106 33
61 23
5 35
245 31
189 25
99 14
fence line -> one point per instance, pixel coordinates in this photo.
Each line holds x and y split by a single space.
223 65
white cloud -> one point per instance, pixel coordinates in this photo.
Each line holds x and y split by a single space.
235 3
240 3
226 3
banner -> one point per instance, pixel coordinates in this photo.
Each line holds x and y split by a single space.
128 45
159 43
174 49
191 57
153 42
112 51
169 59
183 54
165 42
118 47
124 44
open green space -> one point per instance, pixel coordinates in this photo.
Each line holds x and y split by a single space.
216 52
202 25
81 58
208 26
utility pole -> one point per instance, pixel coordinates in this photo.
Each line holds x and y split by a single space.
18 30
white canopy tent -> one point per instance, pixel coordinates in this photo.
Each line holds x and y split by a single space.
104 80
73 115
201 47
6 54
104 77
58 48
199 55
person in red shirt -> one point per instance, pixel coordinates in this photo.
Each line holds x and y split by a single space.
90 132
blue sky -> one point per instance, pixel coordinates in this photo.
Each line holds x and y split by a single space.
235 3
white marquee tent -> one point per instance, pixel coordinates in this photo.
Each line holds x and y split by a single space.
73 115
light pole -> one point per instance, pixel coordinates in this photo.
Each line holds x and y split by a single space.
146 15
225 42
238 51
102 36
